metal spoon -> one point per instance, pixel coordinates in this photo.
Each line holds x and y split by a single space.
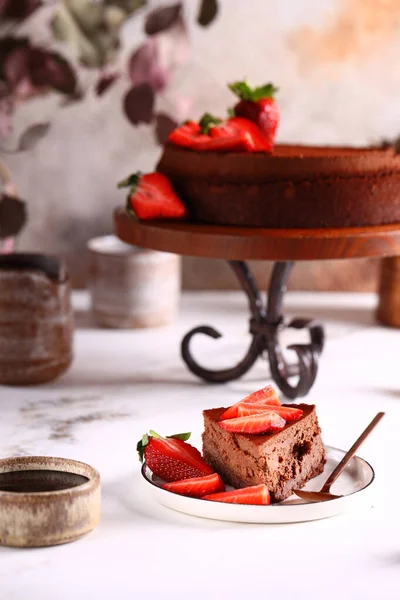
324 493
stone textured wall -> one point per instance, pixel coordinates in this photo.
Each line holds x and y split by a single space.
335 61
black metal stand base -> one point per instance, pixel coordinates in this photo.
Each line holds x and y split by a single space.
265 326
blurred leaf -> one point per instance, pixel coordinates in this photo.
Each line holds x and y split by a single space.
164 126
18 10
207 13
105 82
129 6
144 66
52 69
12 215
16 65
65 28
91 28
173 46
162 18
32 135
6 111
139 104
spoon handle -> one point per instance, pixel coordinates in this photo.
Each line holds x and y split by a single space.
349 455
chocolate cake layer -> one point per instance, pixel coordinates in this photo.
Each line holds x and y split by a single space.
284 460
293 187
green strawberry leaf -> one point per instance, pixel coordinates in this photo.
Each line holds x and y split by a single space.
131 180
231 112
129 210
154 434
265 91
180 436
141 446
207 121
245 92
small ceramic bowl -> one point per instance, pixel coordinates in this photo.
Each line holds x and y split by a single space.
47 501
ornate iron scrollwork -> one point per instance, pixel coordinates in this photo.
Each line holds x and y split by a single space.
265 326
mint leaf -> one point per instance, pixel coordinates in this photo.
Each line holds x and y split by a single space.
207 121
180 436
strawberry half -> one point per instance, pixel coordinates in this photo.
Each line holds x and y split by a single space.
197 136
286 412
256 494
265 422
151 196
266 395
259 142
259 106
171 458
196 487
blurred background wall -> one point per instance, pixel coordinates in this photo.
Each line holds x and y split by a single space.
336 63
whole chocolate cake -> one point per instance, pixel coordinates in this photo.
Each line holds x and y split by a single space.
291 187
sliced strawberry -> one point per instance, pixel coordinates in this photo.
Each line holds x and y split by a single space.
264 422
258 105
196 487
256 494
172 459
237 141
152 196
266 395
286 412
261 143
198 137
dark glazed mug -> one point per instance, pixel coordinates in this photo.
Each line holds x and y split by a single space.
36 321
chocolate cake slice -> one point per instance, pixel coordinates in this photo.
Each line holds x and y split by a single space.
284 460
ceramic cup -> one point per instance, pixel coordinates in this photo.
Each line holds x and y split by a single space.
45 501
132 287
36 321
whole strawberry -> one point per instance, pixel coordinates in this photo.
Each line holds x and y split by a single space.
151 196
171 458
258 105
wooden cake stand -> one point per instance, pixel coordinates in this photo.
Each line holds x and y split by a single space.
284 246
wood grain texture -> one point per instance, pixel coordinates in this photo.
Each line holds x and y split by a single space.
388 311
241 243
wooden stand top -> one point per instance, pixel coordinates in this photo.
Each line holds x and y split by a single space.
243 243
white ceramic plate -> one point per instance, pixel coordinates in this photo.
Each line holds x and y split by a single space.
354 485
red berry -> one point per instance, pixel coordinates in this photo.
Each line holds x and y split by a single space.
172 459
265 422
152 196
259 106
286 412
196 487
266 395
256 494
191 136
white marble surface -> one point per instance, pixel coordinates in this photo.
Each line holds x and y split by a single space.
125 382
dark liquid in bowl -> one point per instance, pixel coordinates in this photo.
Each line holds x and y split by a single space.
26 482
